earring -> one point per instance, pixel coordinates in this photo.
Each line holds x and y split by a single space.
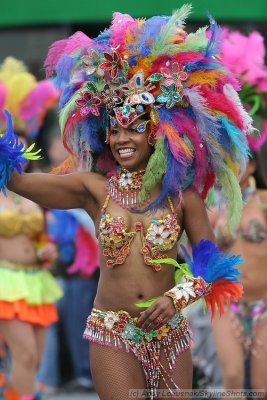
107 135
152 135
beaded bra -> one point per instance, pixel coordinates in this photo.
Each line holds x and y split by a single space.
14 222
161 236
255 232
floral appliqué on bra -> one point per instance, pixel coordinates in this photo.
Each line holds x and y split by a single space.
116 241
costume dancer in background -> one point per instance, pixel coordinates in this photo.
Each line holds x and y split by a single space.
242 331
27 289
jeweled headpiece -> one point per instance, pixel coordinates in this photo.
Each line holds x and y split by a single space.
27 99
153 66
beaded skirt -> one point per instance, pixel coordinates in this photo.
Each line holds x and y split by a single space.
120 330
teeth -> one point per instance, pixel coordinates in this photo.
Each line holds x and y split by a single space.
125 151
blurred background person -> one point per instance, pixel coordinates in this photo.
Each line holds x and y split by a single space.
244 56
241 333
65 362
27 289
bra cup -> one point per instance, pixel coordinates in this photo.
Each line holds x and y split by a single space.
33 223
12 222
161 234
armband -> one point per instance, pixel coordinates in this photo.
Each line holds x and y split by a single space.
188 291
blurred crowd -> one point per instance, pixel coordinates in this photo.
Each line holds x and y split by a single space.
229 352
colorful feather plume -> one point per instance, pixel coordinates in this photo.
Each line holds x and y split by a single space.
201 125
215 267
218 268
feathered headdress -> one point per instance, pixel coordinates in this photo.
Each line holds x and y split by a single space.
26 99
153 66
244 56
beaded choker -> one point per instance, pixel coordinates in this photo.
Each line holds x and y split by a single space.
124 188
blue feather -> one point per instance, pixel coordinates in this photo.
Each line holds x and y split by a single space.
202 65
145 37
90 131
236 136
209 262
103 37
65 222
11 154
64 69
214 42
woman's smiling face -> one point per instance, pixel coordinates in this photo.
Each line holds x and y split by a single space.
129 147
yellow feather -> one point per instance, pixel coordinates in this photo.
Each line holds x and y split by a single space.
204 78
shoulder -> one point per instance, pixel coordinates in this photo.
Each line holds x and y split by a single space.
191 199
92 178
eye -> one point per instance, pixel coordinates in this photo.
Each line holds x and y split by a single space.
132 130
114 132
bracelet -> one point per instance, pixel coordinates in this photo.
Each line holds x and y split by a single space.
173 297
187 292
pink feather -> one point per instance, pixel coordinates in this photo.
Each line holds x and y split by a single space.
35 105
86 259
3 93
244 55
256 143
119 26
65 46
69 129
219 102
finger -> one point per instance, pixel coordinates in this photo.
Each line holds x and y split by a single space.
145 314
160 320
157 320
149 322
145 320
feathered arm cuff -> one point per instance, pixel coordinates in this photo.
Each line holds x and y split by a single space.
13 154
188 291
208 273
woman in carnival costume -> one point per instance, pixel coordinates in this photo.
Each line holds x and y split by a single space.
242 331
145 111
27 289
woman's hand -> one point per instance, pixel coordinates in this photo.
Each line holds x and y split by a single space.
47 254
157 315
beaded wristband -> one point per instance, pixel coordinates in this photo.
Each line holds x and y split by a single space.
187 292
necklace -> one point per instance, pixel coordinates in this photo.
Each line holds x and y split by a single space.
124 188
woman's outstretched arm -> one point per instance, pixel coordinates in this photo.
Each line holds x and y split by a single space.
75 190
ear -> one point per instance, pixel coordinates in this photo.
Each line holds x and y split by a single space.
252 165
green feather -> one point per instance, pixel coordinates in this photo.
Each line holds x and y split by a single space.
182 269
233 196
170 29
68 110
148 303
196 41
32 155
211 197
155 169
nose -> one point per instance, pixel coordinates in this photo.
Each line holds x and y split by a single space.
123 135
